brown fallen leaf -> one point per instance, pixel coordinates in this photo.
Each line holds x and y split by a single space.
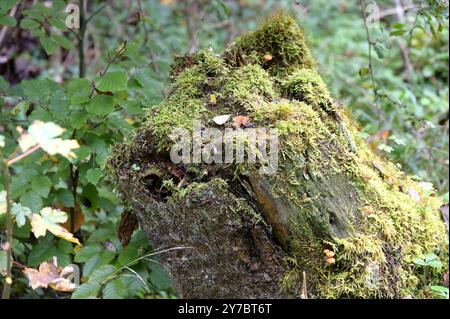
50 275
239 121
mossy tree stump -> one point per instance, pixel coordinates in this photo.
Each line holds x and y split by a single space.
245 235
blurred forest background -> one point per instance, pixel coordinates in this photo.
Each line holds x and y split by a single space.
392 76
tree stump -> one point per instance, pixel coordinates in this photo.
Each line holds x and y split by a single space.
335 211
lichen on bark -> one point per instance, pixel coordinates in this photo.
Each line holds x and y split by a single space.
250 235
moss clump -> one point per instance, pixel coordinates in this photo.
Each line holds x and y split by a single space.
307 85
282 39
323 195
242 84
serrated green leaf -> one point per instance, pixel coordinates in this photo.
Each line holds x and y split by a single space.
114 289
6 5
36 90
87 291
7 20
44 250
63 41
57 23
102 274
101 105
29 23
87 253
33 15
41 185
31 200
93 175
39 7
78 91
78 119
128 255
97 261
64 196
112 82
49 45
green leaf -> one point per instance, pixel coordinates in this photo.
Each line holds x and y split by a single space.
49 45
363 72
114 289
78 91
4 86
82 153
29 23
32 200
6 5
77 119
39 7
21 213
93 176
36 90
97 261
398 26
57 24
64 196
111 82
41 185
398 33
87 253
440 291
128 255
101 105
7 20
102 274
87 291
63 41
379 49
159 277
43 251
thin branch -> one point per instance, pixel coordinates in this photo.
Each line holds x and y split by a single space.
97 11
23 155
371 72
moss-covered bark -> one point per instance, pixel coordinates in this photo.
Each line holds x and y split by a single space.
252 235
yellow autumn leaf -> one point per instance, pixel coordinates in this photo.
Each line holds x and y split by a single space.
46 136
49 219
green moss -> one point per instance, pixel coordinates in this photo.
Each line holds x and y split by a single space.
246 82
307 86
282 39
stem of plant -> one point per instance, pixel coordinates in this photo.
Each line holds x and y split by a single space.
73 171
9 229
81 66
372 76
